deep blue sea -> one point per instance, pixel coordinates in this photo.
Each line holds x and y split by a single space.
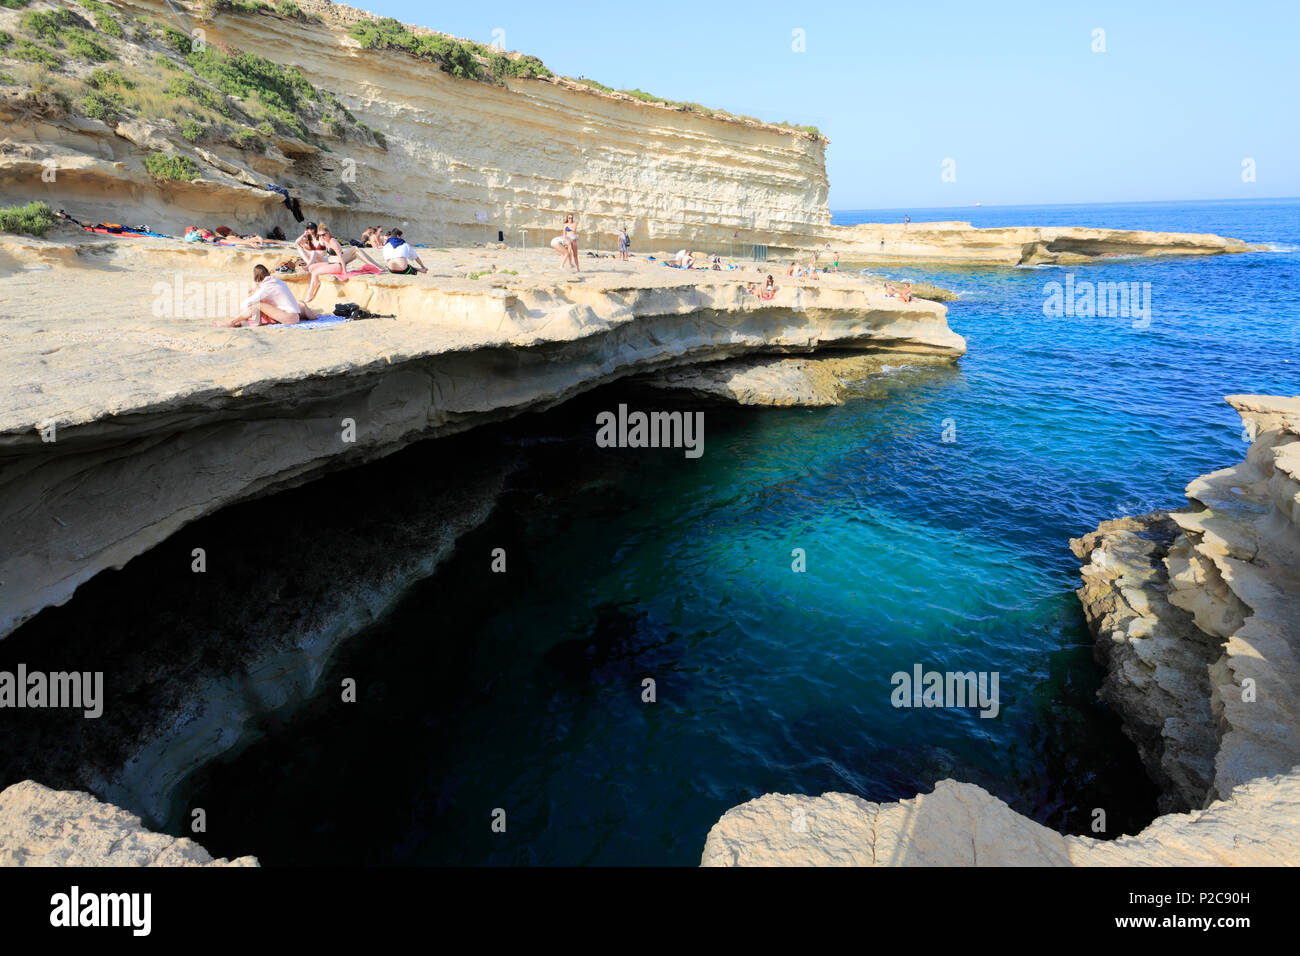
523 691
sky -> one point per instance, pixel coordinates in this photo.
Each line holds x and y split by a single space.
950 104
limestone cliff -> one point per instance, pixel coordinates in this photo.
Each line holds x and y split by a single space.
520 151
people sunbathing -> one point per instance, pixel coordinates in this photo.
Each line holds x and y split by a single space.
222 235
769 289
271 303
399 256
228 236
310 246
345 254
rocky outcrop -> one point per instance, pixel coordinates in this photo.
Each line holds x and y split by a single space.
170 419
960 824
1015 245
1196 616
1155 660
44 827
818 380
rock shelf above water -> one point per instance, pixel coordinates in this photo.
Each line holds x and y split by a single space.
157 420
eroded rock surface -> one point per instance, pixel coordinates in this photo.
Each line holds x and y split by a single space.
44 827
960 824
814 380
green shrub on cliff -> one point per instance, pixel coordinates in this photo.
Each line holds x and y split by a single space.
170 167
291 11
102 79
282 93
103 18
6 38
34 219
14 4
83 47
247 139
47 25
177 41
105 105
35 53
212 7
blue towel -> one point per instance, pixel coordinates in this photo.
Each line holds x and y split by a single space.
322 322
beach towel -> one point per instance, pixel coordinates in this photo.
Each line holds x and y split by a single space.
323 322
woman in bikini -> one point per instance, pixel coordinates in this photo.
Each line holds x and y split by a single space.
567 244
329 245
769 289
310 246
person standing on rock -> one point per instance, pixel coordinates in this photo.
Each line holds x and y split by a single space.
571 238
566 244
622 243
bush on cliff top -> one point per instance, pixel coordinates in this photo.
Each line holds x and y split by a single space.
34 219
460 59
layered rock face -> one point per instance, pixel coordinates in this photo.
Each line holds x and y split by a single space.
522 154
1197 619
43 827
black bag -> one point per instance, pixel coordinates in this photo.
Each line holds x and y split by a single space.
350 310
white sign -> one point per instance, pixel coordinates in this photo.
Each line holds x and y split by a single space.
481 216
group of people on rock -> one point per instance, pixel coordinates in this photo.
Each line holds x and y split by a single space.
273 302
324 254
904 294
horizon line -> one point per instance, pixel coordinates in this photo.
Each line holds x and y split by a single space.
1109 202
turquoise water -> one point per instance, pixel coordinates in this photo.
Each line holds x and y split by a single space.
522 690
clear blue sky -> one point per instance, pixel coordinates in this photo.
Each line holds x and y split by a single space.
1011 92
